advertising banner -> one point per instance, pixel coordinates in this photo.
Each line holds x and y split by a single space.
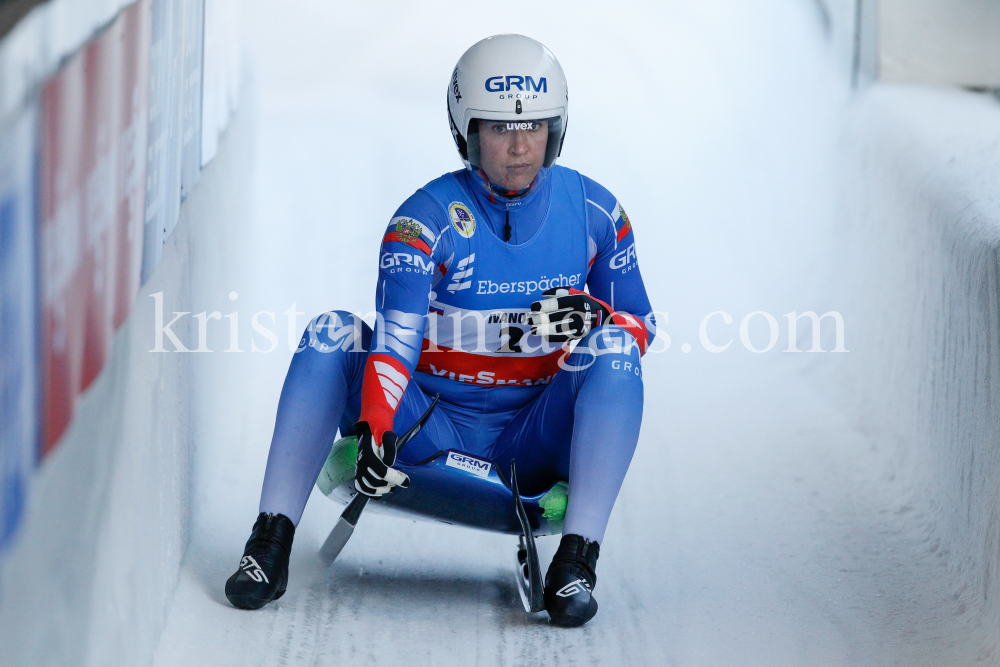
64 285
223 70
102 63
194 52
130 190
92 186
174 157
19 367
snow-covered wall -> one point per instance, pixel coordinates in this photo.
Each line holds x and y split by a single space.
920 234
91 540
93 570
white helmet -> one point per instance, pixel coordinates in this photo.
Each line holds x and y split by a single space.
507 78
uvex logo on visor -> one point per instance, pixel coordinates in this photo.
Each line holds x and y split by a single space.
497 84
530 125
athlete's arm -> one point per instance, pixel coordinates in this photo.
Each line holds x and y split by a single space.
416 252
614 278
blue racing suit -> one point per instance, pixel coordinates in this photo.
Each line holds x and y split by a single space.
452 303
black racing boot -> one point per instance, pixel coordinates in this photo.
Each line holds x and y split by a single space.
570 582
263 572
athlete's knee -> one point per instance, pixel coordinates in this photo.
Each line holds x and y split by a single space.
609 354
627 365
611 334
610 340
336 330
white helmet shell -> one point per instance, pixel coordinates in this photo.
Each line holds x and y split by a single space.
507 78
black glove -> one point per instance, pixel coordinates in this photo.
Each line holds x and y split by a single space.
374 477
566 314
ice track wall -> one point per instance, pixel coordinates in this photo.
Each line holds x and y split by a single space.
921 249
108 113
94 567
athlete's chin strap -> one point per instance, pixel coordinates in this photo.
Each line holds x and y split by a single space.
494 190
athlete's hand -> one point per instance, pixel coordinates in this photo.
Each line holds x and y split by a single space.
566 314
374 477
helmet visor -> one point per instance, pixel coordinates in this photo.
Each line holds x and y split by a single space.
552 127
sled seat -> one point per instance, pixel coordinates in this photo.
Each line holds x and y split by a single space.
450 487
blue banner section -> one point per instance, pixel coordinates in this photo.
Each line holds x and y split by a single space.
19 358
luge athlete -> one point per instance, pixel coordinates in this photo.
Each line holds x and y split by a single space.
481 288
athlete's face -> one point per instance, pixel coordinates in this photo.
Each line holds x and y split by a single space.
512 158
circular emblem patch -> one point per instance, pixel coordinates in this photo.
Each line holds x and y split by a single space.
462 219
